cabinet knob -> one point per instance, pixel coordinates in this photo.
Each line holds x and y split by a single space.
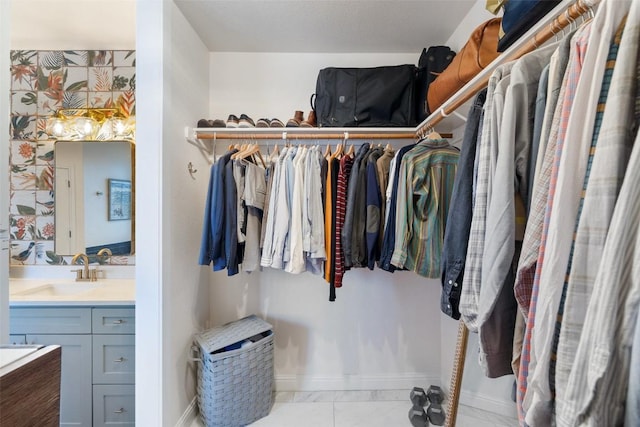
119 411
120 359
118 322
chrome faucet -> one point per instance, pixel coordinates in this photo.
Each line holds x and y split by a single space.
83 274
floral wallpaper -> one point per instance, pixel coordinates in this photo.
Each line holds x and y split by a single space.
41 83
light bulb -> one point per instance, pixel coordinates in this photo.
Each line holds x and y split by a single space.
119 126
56 126
85 126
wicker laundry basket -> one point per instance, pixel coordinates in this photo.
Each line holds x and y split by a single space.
235 373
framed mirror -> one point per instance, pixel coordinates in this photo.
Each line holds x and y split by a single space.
94 193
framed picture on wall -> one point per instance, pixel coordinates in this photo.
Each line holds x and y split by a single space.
119 199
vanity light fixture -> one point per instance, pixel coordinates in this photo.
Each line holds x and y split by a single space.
91 124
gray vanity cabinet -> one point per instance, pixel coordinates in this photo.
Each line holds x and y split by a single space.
113 366
98 359
71 329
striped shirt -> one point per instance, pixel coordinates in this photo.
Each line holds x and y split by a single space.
346 162
560 364
424 190
610 271
554 151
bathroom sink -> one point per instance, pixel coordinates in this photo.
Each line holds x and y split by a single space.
58 289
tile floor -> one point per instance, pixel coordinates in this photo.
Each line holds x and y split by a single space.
379 408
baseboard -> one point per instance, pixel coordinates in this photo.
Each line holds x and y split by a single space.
189 414
488 403
353 382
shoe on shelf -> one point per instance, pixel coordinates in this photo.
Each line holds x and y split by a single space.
311 120
232 121
276 123
217 123
295 121
204 123
263 123
245 122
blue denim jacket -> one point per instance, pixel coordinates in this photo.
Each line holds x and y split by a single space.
456 236
212 243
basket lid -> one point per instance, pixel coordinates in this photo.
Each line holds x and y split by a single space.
222 336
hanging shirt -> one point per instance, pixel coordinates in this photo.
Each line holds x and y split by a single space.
530 359
570 180
383 167
613 141
424 192
298 261
346 162
496 322
470 293
255 188
213 244
268 249
347 230
313 214
269 177
373 209
599 379
389 238
231 220
359 234
456 235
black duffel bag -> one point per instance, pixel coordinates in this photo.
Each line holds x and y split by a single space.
379 96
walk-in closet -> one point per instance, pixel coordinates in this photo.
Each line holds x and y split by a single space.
224 90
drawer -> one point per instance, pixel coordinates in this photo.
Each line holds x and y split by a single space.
114 405
114 359
29 320
114 320
17 339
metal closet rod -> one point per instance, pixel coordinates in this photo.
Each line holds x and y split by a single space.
564 19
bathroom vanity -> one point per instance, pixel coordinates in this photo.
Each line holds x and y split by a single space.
94 323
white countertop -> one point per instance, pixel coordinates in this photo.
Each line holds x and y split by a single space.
11 354
52 292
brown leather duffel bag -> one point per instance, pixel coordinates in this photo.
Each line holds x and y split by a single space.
477 53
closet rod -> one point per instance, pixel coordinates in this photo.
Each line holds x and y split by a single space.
562 19
293 135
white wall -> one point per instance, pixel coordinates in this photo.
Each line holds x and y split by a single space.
185 302
104 161
277 84
5 76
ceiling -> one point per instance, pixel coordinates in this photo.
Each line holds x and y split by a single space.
338 26
73 24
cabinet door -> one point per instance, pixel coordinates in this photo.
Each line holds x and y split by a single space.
114 405
114 360
75 387
114 320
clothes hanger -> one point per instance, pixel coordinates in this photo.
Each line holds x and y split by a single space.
350 151
327 151
433 134
388 147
